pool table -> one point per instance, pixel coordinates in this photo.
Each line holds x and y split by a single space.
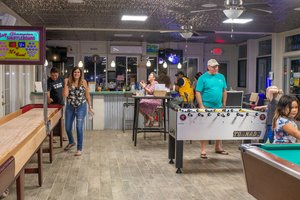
272 171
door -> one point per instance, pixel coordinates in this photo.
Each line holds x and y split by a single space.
294 77
223 70
262 73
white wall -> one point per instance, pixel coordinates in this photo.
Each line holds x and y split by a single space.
18 79
229 56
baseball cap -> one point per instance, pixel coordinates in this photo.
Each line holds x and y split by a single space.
212 63
179 73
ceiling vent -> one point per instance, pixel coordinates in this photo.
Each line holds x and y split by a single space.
126 49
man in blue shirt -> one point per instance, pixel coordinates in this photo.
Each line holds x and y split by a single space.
211 93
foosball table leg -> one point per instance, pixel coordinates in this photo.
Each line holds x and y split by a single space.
179 155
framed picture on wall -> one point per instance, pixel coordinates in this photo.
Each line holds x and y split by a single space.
242 73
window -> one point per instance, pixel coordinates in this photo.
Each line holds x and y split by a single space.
192 68
126 69
68 66
292 43
265 47
242 73
94 69
243 51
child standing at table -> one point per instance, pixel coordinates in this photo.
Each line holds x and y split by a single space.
271 94
284 125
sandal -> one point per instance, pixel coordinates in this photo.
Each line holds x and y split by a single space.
69 146
223 152
151 123
5 194
78 153
203 156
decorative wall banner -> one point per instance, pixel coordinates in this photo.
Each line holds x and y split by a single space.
22 45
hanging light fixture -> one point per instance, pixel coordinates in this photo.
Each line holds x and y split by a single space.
165 65
148 64
80 64
46 63
113 64
179 66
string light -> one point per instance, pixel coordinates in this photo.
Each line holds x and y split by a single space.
148 64
80 64
113 64
179 66
165 65
46 63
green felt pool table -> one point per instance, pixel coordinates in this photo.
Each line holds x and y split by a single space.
272 171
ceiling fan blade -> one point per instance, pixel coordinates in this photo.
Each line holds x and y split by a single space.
199 37
242 33
256 4
262 10
170 31
205 10
203 32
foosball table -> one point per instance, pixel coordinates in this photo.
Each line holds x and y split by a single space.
212 124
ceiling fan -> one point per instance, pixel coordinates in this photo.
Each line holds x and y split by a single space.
234 8
187 32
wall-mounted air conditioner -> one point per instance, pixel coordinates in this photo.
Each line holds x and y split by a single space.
126 49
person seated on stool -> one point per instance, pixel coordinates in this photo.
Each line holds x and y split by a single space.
148 106
211 93
183 86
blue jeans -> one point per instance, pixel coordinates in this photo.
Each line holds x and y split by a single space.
269 135
79 113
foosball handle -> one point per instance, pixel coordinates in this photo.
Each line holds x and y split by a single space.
239 114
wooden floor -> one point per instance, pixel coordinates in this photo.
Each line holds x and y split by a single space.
112 168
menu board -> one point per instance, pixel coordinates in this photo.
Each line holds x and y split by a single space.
22 45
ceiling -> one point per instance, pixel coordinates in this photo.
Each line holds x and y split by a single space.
100 19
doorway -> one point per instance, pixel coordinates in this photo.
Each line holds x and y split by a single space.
262 73
223 70
294 77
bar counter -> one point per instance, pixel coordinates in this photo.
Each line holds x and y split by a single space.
108 109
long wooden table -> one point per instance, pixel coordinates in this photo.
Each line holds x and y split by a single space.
22 134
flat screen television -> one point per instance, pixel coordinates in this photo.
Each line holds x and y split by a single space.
171 56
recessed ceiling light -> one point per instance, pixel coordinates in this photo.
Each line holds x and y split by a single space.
134 18
237 21
297 9
209 5
122 35
75 1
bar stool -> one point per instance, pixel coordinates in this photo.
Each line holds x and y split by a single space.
125 106
159 116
